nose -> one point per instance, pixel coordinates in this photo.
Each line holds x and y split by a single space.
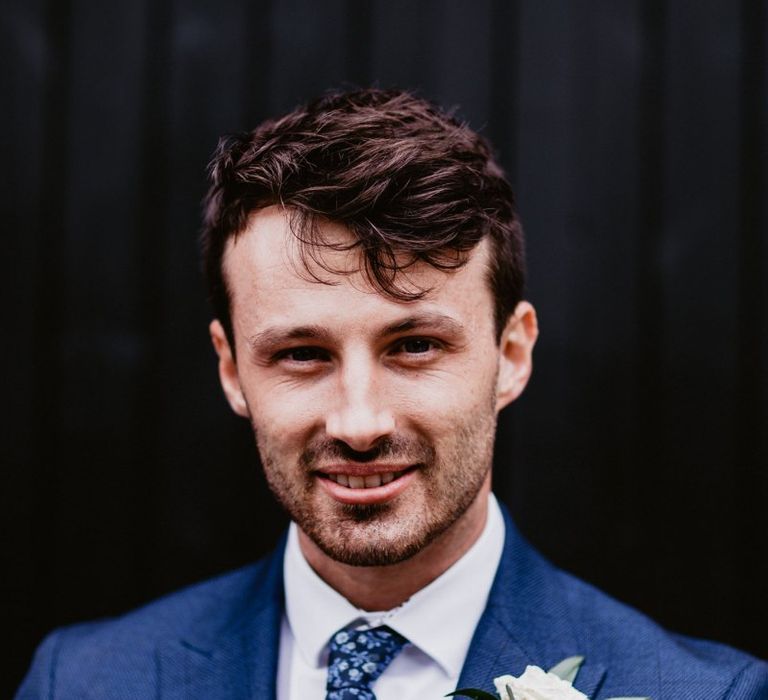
360 416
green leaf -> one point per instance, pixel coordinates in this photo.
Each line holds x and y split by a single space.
473 693
568 668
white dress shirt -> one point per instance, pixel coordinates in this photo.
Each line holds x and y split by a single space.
439 621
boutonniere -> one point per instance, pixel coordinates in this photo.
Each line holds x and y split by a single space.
537 684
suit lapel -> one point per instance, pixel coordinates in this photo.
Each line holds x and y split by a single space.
526 622
239 662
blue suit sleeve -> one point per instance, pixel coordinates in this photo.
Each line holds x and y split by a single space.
751 683
39 682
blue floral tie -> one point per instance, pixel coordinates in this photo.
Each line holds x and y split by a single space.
358 658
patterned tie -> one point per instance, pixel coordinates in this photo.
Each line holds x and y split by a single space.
358 658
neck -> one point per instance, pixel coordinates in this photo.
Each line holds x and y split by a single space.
378 588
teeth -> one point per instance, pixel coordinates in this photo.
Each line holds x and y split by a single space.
364 482
356 482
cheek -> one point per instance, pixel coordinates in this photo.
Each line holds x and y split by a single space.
282 418
467 386
443 409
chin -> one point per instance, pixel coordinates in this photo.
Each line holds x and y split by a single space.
374 535
368 554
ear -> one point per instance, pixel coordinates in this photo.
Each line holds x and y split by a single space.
515 354
230 381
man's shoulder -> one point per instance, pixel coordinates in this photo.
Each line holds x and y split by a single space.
550 614
627 640
126 649
203 606
617 625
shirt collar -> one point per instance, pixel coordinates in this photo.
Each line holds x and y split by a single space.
440 619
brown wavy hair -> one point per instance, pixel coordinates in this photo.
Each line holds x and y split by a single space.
410 182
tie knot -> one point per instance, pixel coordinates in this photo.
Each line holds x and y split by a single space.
357 658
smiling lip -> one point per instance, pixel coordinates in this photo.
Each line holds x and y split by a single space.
360 484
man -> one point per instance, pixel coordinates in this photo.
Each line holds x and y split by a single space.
366 271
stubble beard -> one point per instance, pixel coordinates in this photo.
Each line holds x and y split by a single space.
450 477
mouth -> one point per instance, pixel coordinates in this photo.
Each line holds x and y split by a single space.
358 485
367 481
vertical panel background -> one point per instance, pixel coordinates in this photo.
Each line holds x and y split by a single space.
635 135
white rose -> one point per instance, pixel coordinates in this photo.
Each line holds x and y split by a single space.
535 684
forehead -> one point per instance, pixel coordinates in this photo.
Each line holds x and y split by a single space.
267 274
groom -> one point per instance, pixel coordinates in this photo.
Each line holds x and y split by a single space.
365 263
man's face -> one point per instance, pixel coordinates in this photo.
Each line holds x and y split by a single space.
374 418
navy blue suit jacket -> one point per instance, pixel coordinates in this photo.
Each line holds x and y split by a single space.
219 640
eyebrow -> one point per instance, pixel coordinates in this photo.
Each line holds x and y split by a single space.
435 320
272 337
264 341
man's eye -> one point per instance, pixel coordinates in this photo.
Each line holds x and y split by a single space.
416 346
307 354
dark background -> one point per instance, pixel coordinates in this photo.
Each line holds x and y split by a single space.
635 136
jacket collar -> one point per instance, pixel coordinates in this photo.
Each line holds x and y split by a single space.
238 659
526 622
